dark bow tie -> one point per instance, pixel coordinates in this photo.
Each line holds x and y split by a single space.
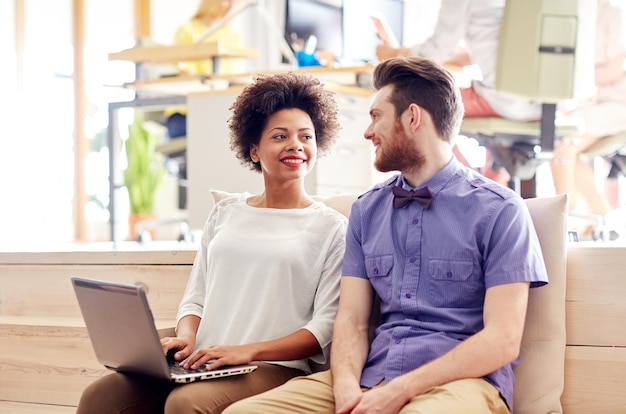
402 197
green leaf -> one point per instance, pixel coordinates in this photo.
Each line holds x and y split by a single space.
145 169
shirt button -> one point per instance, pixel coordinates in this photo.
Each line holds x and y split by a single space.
408 296
397 341
449 274
375 270
415 221
412 260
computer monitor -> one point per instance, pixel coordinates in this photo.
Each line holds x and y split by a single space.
343 27
321 18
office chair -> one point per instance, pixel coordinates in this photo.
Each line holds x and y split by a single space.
545 55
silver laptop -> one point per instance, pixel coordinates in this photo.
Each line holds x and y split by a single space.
124 337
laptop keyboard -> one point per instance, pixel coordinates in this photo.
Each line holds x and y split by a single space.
177 369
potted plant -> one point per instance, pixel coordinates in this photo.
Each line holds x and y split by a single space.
143 174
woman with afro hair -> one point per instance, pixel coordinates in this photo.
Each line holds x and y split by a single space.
264 287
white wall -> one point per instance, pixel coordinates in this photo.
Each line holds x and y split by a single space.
167 15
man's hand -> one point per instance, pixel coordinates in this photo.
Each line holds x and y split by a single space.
381 400
347 396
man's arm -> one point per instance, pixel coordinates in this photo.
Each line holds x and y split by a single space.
350 340
497 344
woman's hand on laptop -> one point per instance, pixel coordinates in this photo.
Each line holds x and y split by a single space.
185 340
219 355
178 347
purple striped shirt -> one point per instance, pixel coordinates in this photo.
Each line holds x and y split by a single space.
431 267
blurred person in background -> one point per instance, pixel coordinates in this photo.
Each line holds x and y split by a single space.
604 114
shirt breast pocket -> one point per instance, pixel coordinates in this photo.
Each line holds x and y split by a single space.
378 270
451 282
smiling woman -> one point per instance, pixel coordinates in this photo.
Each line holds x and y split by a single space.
291 245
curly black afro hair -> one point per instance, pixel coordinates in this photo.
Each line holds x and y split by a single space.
269 94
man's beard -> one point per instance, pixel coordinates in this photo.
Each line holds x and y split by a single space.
398 153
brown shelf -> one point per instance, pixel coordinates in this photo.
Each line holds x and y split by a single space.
339 79
178 53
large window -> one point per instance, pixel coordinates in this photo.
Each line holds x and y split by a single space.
108 28
37 119
37 104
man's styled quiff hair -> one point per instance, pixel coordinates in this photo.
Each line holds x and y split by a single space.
272 93
425 83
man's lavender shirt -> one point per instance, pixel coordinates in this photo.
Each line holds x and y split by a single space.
431 267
